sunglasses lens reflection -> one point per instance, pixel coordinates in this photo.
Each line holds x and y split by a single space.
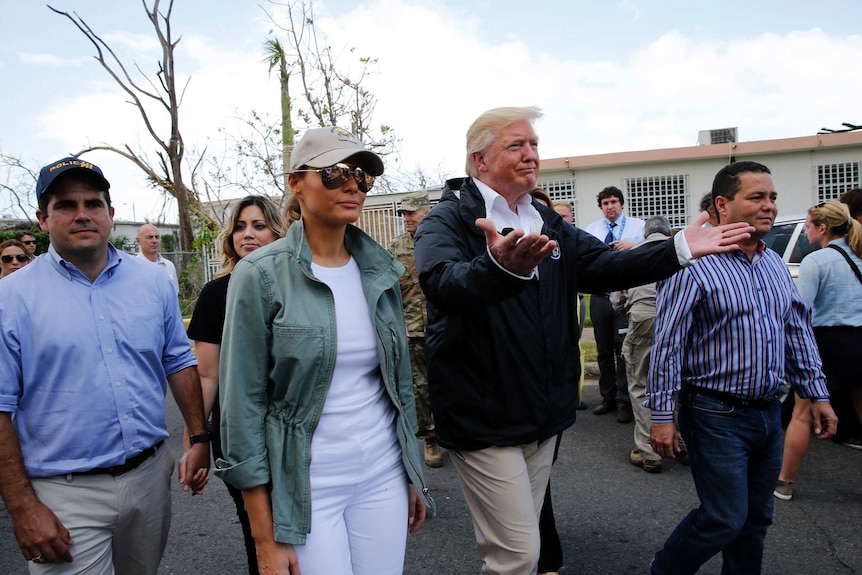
336 176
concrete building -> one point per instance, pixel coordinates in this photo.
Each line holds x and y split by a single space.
807 170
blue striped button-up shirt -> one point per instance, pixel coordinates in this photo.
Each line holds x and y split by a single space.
735 326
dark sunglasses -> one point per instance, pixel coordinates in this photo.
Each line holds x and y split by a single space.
28 242
336 176
7 259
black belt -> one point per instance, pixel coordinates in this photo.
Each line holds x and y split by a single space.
734 400
131 463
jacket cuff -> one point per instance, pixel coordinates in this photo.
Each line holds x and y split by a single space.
496 263
246 474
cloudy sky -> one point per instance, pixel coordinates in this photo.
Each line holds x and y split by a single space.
609 76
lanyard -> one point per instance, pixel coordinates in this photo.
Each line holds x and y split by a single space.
622 228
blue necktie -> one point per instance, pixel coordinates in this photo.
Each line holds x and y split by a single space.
610 237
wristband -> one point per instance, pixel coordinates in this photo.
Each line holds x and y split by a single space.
202 438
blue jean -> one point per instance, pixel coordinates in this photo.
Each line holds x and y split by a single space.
735 455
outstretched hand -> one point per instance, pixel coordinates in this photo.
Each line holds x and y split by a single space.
516 252
719 239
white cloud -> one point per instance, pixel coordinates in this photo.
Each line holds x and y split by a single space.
136 43
633 8
435 75
48 60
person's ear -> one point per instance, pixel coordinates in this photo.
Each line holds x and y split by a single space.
479 162
721 206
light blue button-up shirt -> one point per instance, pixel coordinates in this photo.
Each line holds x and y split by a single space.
829 286
83 364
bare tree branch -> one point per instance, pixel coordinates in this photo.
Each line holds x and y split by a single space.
166 175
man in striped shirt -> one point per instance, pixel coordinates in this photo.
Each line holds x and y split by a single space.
729 331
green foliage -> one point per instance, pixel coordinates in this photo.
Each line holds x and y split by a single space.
191 279
168 243
122 243
205 236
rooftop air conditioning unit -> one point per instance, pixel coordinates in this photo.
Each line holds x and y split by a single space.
721 136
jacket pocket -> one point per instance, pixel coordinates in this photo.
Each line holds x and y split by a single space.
298 355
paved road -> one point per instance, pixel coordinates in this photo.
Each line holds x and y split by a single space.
611 515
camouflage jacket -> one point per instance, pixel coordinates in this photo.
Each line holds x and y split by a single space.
411 294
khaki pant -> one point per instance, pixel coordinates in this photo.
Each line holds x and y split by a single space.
636 352
504 488
119 524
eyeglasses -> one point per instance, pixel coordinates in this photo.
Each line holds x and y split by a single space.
336 176
7 259
29 242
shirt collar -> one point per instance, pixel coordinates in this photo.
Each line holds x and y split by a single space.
158 257
67 267
497 210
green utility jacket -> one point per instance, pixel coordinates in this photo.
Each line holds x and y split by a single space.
277 360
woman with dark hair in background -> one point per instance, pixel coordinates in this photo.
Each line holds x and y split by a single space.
830 282
254 223
853 199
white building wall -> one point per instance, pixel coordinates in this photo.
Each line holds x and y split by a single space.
794 173
794 170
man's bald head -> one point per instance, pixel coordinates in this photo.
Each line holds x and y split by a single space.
150 241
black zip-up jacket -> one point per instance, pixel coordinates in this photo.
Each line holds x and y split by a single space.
503 360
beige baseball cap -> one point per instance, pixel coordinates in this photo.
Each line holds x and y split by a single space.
324 147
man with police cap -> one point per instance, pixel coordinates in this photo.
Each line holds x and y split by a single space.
413 208
88 338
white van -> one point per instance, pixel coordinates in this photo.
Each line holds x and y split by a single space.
789 240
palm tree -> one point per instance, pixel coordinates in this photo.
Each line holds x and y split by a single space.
276 58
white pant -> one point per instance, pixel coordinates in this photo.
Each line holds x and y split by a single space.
119 524
504 488
358 529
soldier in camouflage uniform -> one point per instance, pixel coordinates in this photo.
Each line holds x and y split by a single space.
413 208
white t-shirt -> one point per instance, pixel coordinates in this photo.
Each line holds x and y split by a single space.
355 438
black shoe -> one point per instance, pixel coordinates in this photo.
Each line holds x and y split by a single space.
582 406
606 406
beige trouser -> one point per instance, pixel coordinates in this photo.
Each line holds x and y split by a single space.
636 352
119 524
504 488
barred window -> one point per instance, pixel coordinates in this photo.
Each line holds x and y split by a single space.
561 190
835 179
659 196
